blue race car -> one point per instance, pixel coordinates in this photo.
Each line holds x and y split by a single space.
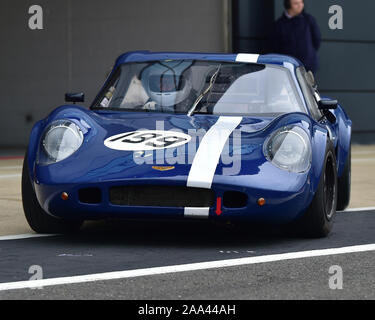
227 137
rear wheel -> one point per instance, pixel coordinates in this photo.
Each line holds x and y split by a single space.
343 185
38 219
318 219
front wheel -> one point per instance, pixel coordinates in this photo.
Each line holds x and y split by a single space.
38 219
317 221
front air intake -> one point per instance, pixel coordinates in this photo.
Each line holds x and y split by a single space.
90 195
234 199
161 196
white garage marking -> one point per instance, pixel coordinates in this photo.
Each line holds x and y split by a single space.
183 267
10 158
358 209
363 152
25 236
359 160
204 164
6 176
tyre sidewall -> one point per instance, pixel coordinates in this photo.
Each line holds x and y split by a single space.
316 222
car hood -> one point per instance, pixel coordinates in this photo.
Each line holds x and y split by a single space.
95 162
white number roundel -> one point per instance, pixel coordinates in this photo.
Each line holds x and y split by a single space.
146 140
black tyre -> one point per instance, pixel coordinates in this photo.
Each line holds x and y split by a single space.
317 221
38 219
343 184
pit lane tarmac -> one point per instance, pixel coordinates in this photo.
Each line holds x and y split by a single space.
122 250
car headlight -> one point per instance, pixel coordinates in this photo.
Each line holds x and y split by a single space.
61 139
289 148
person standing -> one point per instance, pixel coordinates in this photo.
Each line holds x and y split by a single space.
296 33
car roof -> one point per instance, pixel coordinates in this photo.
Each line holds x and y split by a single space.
141 56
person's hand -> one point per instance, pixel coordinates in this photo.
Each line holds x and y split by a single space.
151 105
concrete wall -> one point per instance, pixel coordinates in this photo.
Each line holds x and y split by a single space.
81 39
79 44
252 25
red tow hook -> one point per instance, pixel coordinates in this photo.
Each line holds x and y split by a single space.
218 206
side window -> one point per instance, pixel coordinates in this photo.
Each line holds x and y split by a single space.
311 94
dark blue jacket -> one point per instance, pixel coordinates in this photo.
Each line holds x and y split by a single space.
299 37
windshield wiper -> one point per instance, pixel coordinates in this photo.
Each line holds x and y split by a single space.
212 81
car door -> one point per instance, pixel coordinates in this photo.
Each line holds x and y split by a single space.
312 97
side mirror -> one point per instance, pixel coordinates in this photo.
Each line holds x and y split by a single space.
327 104
75 97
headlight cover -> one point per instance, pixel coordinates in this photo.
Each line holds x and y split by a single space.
61 139
289 148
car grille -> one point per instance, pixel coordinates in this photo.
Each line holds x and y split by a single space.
161 196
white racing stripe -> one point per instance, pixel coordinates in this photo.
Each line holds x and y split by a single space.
183 267
247 57
196 212
204 164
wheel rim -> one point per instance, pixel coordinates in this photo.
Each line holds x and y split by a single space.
329 189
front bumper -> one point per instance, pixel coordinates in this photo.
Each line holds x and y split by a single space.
282 205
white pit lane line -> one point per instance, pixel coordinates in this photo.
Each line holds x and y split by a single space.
25 236
183 268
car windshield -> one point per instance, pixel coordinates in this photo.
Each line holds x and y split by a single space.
206 87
